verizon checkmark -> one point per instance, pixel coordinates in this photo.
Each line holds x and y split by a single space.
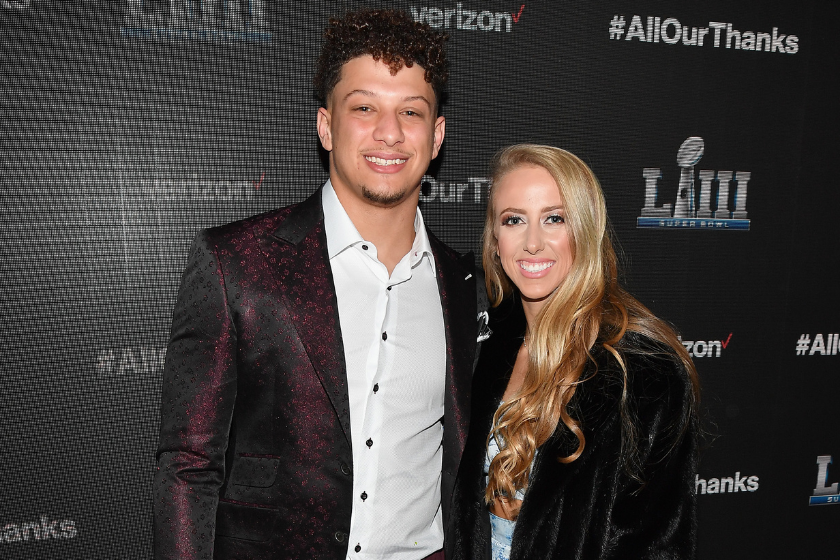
256 184
517 16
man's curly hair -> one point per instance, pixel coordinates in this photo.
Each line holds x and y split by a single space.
389 36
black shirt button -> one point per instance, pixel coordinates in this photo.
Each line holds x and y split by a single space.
369 442
345 468
364 496
389 288
358 548
339 536
384 336
376 388
365 247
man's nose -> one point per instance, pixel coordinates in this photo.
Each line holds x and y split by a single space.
389 129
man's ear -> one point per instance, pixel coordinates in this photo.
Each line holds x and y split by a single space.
440 130
324 128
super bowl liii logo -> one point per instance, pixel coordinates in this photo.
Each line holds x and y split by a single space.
824 493
723 208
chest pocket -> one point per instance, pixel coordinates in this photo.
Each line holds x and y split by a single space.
259 472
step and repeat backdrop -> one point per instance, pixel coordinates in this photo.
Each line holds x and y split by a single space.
126 126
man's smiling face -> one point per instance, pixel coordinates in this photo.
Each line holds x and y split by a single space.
381 131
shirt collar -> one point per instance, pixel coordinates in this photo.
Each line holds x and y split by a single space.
341 233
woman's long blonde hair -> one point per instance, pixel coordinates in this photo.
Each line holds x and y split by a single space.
588 308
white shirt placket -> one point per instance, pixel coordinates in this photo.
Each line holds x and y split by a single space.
378 361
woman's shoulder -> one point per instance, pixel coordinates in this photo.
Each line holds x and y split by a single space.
640 351
654 370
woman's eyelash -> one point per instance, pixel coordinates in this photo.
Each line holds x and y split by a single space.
515 220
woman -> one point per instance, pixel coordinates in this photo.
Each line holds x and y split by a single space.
583 435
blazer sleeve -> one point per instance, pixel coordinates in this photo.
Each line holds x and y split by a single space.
199 390
658 519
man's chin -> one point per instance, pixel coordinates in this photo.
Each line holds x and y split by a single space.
384 198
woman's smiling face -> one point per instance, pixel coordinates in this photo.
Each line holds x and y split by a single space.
534 241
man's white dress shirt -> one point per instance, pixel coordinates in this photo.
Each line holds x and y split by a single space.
395 351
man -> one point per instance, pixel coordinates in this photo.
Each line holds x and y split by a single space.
315 397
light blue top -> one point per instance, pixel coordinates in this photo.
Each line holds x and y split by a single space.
492 451
501 537
501 530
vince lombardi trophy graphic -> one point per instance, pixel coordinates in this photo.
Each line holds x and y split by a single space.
685 211
688 155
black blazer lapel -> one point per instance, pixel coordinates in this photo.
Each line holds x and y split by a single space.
299 249
457 284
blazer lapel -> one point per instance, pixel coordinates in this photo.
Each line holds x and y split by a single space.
456 281
299 248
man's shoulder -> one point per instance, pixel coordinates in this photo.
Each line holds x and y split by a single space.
271 222
258 224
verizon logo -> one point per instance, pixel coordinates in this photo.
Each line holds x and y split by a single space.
466 19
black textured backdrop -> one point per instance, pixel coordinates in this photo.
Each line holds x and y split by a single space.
128 125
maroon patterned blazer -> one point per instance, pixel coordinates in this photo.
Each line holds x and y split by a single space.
254 458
